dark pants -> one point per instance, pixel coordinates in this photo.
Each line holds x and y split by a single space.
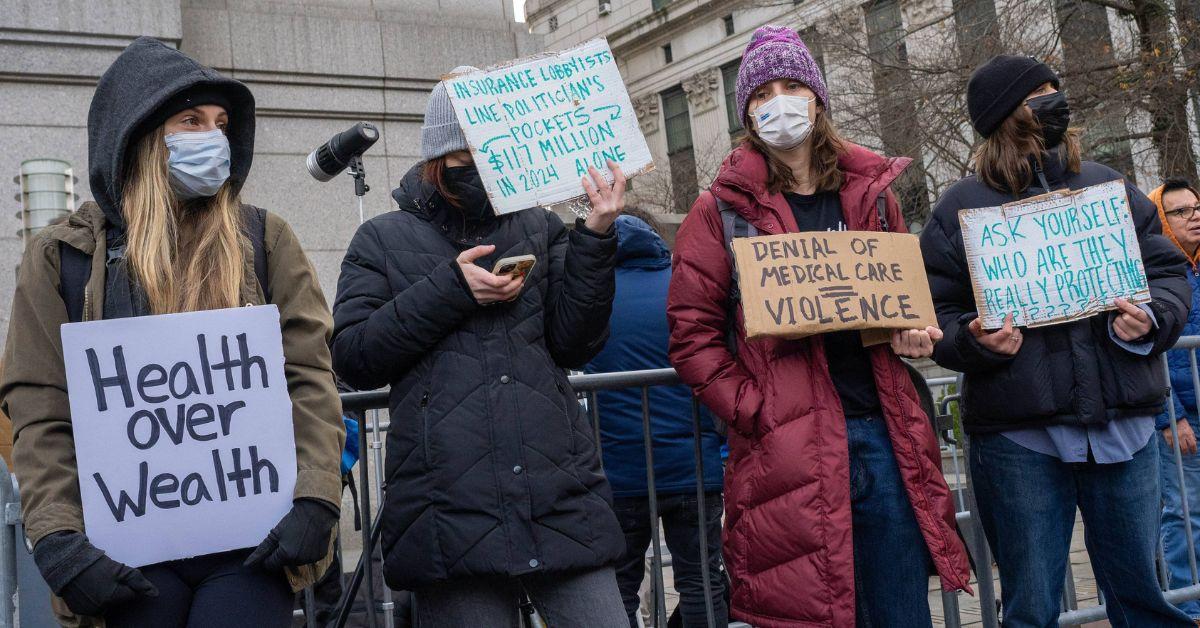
891 560
681 525
562 599
213 590
1027 503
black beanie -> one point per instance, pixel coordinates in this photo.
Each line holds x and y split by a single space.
194 96
1001 85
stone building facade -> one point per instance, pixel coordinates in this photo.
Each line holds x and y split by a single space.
679 59
315 67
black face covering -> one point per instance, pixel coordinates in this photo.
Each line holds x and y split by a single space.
464 183
1053 113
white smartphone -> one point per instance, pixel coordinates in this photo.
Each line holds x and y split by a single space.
516 266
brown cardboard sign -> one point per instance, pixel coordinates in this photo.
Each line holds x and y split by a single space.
798 284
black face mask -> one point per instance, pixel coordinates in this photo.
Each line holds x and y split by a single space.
464 183
1052 112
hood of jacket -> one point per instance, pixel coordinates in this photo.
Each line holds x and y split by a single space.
420 198
742 182
142 79
638 246
1156 195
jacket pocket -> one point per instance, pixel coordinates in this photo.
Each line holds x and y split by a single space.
425 428
568 416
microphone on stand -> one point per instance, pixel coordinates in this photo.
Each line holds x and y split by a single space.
332 157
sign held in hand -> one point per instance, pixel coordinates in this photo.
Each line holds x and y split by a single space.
536 125
183 431
1054 258
798 284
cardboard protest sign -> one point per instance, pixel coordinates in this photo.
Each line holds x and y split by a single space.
183 431
535 125
1054 258
799 284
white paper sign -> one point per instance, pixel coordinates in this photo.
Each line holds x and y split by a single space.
535 125
1054 258
183 431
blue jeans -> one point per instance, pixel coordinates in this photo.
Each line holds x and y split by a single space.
1026 503
1174 534
891 561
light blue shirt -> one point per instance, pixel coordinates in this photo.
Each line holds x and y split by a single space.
1111 442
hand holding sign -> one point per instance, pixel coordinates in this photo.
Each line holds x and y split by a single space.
1132 323
1005 341
915 343
484 286
607 203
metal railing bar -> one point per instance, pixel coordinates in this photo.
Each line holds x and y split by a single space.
656 561
702 514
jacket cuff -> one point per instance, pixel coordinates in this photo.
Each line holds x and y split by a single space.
462 281
581 227
971 350
52 518
1163 421
319 484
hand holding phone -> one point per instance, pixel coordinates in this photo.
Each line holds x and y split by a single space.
517 266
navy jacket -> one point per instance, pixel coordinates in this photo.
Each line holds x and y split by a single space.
1183 393
638 342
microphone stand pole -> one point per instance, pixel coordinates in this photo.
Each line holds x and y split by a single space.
370 532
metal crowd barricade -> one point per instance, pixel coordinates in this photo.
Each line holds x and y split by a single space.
15 568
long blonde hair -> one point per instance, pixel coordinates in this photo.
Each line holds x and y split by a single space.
185 257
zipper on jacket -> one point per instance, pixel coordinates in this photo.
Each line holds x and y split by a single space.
87 303
425 426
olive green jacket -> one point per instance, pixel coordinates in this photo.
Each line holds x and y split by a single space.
33 387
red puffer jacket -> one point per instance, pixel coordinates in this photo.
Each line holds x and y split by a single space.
787 486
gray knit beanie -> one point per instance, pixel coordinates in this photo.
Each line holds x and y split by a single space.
441 133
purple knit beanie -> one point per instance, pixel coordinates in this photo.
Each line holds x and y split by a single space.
777 52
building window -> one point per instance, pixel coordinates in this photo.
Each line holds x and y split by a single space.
667 56
729 73
812 39
553 23
729 29
678 125
658 4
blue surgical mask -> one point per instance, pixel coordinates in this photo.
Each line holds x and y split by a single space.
199 163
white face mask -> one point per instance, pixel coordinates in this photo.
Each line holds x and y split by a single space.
782 122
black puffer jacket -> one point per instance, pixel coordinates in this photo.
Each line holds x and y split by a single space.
491 467
1066 374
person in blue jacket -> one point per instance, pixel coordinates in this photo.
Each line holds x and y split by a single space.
638 342
1177 201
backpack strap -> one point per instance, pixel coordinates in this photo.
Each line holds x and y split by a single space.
734 225
881 208
255 227
74 270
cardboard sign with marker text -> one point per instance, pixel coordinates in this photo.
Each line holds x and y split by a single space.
798 284
1054 258
183 431
535 125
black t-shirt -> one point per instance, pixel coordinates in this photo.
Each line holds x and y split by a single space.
849 361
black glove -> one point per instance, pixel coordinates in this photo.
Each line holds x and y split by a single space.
301 538
84 577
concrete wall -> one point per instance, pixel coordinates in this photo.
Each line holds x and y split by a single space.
315 67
